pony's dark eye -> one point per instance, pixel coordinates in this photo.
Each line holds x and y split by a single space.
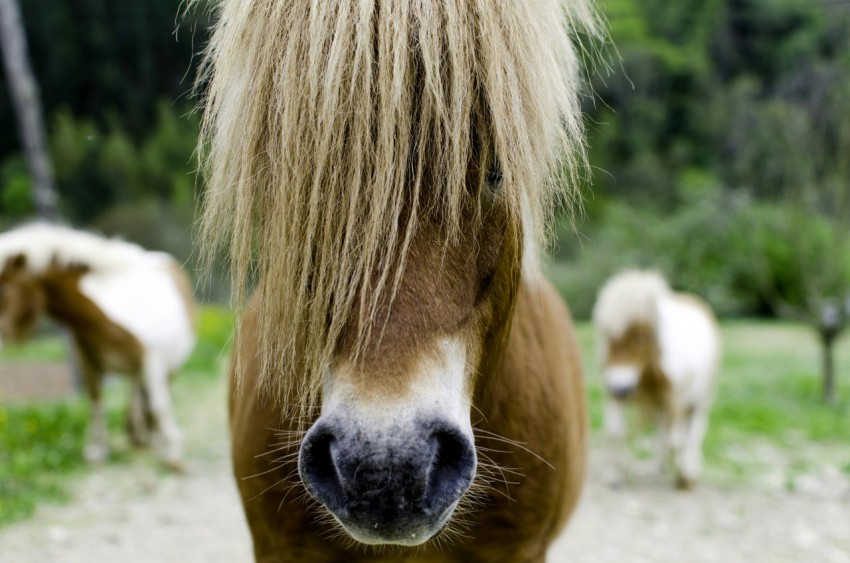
494 174
484 286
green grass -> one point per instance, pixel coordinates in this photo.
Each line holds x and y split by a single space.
41 443
45 349
768 398
214 327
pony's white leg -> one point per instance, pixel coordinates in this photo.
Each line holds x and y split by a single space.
169 438
689 462
137 415
615 429
97 443
97 447
662 441
615 420
678 438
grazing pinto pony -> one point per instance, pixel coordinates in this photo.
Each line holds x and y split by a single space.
386 169
660 350
128 311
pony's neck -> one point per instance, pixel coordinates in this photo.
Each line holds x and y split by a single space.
101 343
64 302
654 384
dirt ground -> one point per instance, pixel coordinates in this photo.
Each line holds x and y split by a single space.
21 382
134 513
647 521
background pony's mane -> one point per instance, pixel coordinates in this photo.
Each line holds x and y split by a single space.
628 298
329 123
45 245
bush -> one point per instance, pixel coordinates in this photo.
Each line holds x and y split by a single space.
215 331
746 258
15 192
97 169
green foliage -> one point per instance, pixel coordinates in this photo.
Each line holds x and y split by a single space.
15 194
110 61
747 90
746 258
215 330
98 169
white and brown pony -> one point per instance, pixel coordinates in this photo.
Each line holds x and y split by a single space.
387 169
660 350
128 311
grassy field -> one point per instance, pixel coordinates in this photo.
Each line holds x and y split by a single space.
41 444
768 414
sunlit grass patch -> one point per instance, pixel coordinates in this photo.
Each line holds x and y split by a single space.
40 445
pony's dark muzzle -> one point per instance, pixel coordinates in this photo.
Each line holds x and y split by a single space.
398 487
621 392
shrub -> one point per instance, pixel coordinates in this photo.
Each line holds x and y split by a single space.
746 258
98 168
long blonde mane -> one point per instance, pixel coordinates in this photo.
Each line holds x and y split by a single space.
630 297
327 120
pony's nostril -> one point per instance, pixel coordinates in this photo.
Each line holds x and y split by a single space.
319 471
452 467
622 392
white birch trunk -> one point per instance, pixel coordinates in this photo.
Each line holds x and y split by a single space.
27 107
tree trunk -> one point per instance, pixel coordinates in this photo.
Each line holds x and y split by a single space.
25 101
828 372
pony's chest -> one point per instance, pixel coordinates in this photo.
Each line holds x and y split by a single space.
654 389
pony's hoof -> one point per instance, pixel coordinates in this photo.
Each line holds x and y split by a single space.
616 482
685 483
140 441
96 453
176 466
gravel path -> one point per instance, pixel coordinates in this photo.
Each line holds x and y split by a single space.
648 521
135 513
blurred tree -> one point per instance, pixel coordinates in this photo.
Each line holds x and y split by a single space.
726 87
25 97
111 61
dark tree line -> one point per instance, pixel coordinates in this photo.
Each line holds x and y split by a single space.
108 60
749 94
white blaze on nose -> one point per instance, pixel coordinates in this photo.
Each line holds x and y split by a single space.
439 387
621 376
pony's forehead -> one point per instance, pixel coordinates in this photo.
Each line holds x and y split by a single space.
328 124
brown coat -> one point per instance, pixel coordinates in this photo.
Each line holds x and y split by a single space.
535 397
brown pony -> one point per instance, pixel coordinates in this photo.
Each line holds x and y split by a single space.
128 311
387 170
